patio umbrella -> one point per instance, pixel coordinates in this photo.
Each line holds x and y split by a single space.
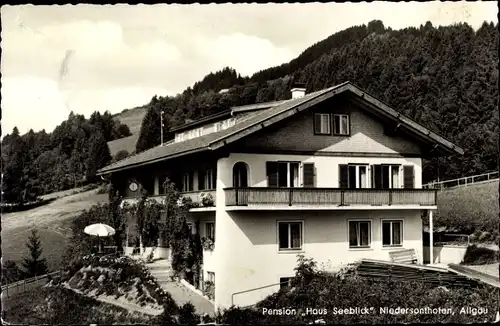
99 230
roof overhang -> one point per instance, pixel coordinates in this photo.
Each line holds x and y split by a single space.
104 171
439 144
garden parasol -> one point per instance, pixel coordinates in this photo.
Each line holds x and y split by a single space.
99 230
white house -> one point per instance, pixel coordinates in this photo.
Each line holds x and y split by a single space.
335 175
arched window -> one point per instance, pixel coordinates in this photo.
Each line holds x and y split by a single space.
240 175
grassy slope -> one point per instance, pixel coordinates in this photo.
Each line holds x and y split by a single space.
44 306
52 221
133 119
475 205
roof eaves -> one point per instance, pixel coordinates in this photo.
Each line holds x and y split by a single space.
108 170
406 120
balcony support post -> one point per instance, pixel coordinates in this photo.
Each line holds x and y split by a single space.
431 238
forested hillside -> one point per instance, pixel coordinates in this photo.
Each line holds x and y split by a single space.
445 78
37 163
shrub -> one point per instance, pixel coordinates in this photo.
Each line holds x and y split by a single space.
475 255
187 315
312 288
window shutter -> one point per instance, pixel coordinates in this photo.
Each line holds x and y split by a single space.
343 176
308 175
409 176
377 176
272 174
317 123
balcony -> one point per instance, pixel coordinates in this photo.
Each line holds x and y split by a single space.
329 198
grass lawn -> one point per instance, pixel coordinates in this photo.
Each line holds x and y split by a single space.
51 220
62 306
472 207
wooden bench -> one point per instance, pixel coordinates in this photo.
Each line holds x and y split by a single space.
404 256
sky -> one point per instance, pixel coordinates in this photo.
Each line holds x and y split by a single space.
83 58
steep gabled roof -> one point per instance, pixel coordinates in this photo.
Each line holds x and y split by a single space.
263 119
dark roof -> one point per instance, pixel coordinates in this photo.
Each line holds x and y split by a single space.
226 114
261 119
202 121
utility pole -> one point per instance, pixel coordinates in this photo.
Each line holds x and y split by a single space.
161 128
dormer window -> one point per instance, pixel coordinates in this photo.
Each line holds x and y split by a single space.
322 124
341 124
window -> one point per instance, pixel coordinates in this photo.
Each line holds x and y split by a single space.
206 179
211 277
187 182
322 124
359 234
392 233
282 174
341 124
386 176
190 227
353 176
210 230
240 175
218 126
290 235
285 282
209 179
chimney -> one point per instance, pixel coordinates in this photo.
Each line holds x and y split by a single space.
298 90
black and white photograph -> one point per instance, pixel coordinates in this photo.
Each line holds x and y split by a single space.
250 163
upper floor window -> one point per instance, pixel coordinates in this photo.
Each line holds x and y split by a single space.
206 179
341 124
353 176
282 174
386 176
187 182
322 124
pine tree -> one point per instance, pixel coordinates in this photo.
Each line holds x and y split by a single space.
149 136
34 265
98 156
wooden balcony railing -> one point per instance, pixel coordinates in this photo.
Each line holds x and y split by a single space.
329 196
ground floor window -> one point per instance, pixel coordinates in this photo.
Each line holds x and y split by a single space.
290 235
285 282
211 277
359 234
210 230
392 233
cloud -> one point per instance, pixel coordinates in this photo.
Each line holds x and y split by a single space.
32 102
245 53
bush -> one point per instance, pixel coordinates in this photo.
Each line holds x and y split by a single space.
187 315
311 288
475 255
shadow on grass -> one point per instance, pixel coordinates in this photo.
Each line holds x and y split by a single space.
25 207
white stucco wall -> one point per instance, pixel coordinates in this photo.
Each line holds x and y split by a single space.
247 252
